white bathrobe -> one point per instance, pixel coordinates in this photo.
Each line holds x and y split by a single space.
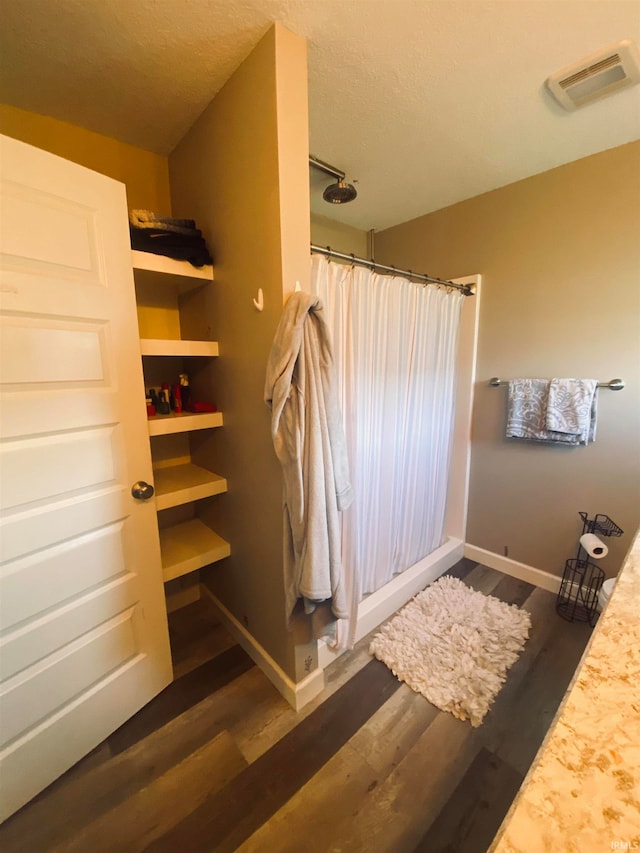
308 437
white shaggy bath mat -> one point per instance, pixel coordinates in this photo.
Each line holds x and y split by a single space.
454 645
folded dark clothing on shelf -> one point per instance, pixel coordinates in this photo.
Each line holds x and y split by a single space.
182 247
168 238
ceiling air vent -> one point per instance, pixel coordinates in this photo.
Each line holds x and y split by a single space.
596 75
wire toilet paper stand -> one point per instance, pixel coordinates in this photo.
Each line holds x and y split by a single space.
582 580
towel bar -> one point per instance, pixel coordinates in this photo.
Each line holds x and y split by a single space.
613 385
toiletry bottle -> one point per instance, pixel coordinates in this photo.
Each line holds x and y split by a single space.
177 398
163 404
185 392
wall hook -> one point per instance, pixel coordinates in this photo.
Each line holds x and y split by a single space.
298 287
259 302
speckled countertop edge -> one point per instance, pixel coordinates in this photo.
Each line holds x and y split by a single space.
582 792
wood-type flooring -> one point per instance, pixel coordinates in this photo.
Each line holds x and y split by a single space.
220 762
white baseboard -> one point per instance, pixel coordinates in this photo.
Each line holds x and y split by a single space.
296 694
537 577
375 609
379 606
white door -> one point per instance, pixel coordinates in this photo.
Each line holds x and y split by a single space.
83 630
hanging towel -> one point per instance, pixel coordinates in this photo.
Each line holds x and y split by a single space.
308 438
572 406
527 413
539 410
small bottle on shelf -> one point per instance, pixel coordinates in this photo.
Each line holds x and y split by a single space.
177 398
164 407
155 402
185 392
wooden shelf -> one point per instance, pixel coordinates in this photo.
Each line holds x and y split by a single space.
180 484
160 285
157 346
184 422
149 262
189 546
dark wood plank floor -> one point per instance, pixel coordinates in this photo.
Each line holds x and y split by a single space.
220 762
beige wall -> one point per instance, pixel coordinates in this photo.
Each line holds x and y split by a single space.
242 172
559 254
145 174
341 237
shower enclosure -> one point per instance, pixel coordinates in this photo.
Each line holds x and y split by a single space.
405 358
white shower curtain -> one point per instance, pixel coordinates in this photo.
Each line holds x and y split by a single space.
395 345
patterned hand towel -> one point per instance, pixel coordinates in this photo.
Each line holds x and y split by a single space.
527 413
572 408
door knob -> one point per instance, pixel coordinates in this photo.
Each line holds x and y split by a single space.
142 491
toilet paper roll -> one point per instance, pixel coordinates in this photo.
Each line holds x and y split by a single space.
593 546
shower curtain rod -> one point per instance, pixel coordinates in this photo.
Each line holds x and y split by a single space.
372 265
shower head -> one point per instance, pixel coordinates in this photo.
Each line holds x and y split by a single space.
339 193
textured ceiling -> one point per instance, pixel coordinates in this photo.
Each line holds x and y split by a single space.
424 102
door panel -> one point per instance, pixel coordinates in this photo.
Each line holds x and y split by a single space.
34 353
21 414
77 565
62 463
62 232
77 727
51 631
30 528
83 632
35 693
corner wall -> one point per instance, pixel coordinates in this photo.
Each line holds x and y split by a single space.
145 174
242 173
341 237
559 255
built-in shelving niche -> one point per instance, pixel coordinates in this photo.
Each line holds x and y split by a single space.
181 487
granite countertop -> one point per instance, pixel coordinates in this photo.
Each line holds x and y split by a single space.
582 792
